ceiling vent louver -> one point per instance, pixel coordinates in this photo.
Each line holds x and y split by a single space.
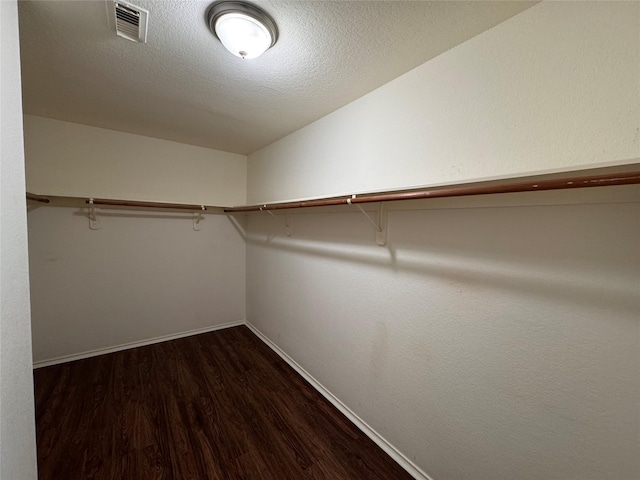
131 22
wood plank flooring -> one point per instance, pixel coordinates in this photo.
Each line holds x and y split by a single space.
220 405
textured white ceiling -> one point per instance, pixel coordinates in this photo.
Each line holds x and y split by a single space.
182 85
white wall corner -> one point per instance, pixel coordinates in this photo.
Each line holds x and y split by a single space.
17 418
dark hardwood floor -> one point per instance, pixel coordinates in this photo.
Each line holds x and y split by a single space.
220 405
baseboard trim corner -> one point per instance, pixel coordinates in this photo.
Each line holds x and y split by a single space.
411 468
139 343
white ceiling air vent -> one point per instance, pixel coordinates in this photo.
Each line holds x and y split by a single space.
131 22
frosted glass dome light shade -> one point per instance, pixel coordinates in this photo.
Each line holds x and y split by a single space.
242 35
243 29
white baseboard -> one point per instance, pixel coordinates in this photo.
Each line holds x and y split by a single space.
126 346
411 468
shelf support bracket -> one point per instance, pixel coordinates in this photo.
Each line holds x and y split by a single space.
197 218
381 232
380 223
287 221
94 221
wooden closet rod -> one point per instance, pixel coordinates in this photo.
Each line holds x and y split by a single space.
37 198
132 203
626 178
125 203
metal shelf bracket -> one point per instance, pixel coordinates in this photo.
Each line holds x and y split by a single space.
381 231
94 220
197 218
380 222
287 220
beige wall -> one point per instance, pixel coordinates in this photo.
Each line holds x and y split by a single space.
143 275
494 341
553 88
17 426
69 159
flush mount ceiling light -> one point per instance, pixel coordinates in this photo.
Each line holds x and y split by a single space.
244 29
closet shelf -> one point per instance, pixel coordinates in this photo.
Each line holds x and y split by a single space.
602 180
